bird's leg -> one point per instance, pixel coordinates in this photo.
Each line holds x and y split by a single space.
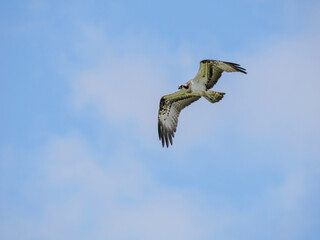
213 96
208 96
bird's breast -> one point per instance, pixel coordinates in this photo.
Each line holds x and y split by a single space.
197 87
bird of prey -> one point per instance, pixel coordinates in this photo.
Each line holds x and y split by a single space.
171 105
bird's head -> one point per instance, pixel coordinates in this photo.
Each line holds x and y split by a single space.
183 86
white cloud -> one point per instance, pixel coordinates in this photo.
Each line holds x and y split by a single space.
123 90
279 98
80 194
118 198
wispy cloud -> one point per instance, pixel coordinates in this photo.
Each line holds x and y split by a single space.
279 98
112 197
126 89
80 193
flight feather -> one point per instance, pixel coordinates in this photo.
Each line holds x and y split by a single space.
169 111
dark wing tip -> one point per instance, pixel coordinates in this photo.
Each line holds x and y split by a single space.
237 67
165 135
159 130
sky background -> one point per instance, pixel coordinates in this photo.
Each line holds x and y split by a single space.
80 84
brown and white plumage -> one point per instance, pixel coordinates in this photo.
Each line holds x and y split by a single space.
169 110
171 105
211 70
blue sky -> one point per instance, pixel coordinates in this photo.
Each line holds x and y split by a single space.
80 84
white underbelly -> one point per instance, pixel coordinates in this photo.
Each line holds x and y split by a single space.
197 87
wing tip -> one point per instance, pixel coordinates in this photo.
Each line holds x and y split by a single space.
165 135
237 67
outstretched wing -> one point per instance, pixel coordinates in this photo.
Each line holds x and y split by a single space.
210 71
169 110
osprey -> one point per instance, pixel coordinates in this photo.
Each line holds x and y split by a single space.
171 105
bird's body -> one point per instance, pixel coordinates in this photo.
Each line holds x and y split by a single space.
171 105
195 87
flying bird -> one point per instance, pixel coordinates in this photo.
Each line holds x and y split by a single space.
171 105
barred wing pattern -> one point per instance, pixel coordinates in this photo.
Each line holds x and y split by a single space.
210 71
169 110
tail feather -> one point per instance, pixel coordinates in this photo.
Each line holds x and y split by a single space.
213 96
